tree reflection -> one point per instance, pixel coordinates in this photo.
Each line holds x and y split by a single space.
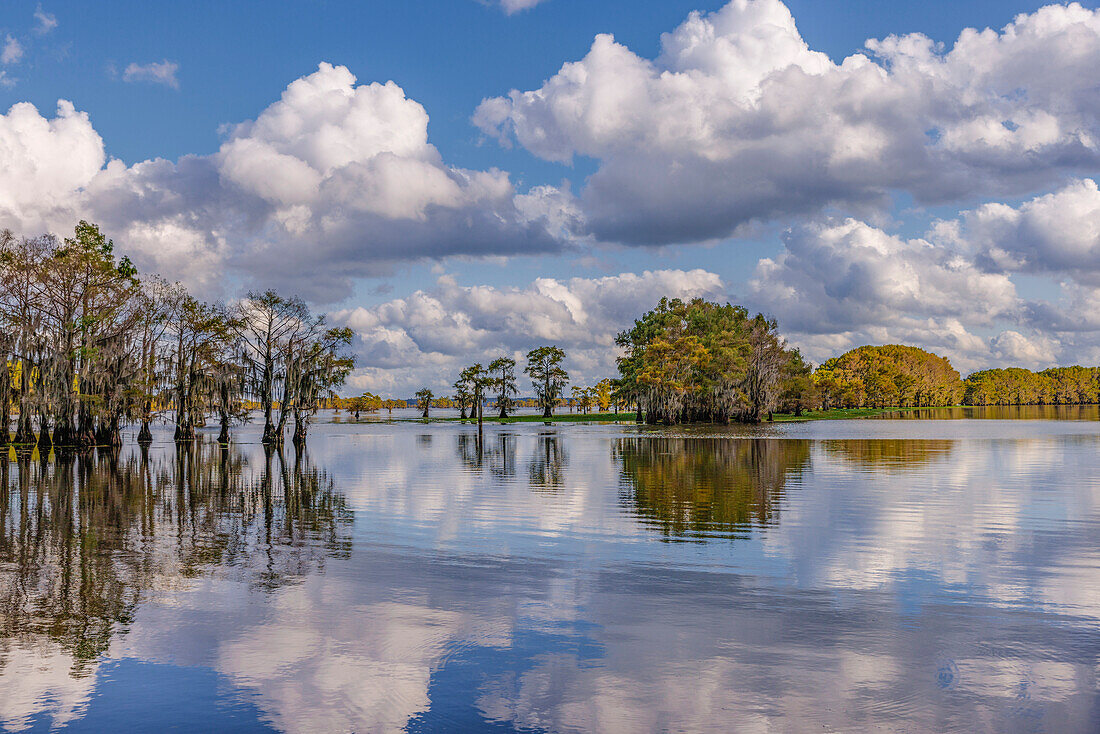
548 462
501 455
889 453
85 537
496 452
696 486
471 451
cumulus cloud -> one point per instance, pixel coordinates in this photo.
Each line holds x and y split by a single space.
738 119
333 181
842 282
12 51
1057 233
839 284
844 275
1012 347
157 72
440 331
45 163
46 22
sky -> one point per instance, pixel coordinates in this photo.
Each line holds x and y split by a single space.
461 179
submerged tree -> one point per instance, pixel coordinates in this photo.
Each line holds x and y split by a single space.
265 322
503 372
424 401
291 359
462 396
548 377
89 347
478 381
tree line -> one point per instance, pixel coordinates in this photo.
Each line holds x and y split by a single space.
892 375
90 346
699 361
1018 386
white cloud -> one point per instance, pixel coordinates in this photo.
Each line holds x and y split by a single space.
842 283
332 182
426 338
515 6
1012 347
157 72
45 162
1055 233
46 21
738 119
12 51
840 276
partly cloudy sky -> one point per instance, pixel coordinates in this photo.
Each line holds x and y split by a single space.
458 179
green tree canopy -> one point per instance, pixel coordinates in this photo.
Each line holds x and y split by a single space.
892 375
548 377
701 361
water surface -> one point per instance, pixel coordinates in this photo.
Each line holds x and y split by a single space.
891 575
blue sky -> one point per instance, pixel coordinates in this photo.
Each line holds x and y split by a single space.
170 81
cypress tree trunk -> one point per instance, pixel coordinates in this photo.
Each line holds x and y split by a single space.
145 436
269 434
44 440
114 436
24 432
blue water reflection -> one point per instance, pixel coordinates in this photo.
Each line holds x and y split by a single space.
897 575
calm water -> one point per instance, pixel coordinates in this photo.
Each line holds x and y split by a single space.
876 575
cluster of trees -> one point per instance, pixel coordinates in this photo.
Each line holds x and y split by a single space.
600 396
892 375
477 383
368 402
699 361
89 346
1017 386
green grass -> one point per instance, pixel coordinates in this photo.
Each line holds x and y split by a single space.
837 414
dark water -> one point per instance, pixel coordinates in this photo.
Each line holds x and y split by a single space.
877 575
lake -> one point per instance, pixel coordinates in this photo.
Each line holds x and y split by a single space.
872 575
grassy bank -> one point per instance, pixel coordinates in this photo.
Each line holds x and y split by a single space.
810 415
838 414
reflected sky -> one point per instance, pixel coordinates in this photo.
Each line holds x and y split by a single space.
872 575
